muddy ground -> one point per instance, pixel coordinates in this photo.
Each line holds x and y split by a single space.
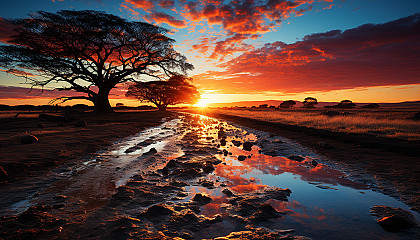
61 141
394 163
79 195
91 200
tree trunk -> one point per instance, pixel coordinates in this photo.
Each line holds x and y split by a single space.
161 108
101 101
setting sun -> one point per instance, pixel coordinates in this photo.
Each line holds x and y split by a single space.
203 102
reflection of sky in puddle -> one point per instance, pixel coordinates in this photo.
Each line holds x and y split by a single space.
324 204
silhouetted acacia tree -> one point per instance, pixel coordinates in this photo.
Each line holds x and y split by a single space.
310 102
287 104
371 105
90 52
345 104
177 89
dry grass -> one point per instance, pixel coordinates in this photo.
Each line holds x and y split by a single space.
386 123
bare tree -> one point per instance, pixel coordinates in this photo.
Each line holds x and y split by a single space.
164 93
90 52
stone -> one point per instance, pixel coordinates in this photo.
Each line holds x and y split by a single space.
202 198
393 219
236 143
223 142
80 123
158 210
225 152
28 139
241 157
314 163
151 151
227 192
247 146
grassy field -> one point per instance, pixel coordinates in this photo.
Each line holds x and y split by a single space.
394 123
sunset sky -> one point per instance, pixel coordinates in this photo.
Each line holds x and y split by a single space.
363 50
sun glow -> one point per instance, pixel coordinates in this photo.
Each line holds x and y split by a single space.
202 103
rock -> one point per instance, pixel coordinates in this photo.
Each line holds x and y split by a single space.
206 183
241 157
296 158
40 125
208 167
80 123
28 139
236 143
247 146
186 173
265 212
158 210
151 151
393 219
225 152
223 142
202 198
227 192
314 163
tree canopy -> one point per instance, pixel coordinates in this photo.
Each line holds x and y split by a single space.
176 90
90 52
310 102
287 104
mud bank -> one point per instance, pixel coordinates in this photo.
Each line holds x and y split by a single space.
61 141
387 165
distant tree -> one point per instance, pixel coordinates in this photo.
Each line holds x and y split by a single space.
175 90
287 104
310 102
90 52
372 105
345 104
263 106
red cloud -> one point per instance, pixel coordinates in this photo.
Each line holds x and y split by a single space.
160 17
166 3
245 16
6 30
143 4
366 56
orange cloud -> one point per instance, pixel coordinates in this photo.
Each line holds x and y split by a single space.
370 55
161 17
143 4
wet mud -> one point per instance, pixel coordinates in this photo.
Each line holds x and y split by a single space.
195 177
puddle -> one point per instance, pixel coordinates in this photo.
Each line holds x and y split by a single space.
324 203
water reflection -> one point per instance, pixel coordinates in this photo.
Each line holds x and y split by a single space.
324 204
